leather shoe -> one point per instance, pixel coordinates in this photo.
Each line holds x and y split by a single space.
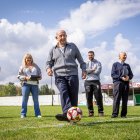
114 116
91 114
61 117
101 114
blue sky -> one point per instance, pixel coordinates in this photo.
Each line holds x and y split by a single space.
104 26
47 12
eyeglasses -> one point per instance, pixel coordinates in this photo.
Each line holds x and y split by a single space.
28 59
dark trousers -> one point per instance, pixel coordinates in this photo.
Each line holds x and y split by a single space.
120 91
94 88
68 87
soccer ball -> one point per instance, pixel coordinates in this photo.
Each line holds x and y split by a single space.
74 114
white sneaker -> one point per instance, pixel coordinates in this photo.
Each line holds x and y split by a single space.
22 116
39 116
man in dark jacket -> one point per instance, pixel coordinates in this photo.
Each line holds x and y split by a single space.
121 74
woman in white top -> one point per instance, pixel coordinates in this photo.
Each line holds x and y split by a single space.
29 75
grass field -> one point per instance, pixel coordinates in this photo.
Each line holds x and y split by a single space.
12 127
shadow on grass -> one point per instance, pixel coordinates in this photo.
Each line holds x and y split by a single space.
96 116
134 115
12 117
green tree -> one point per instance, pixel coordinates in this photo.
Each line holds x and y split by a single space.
51 91
18 90
2 93
12 90
44 90
8 90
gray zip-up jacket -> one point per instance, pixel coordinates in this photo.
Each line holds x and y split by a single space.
64 63
93 75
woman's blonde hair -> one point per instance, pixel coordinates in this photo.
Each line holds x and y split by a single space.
27 56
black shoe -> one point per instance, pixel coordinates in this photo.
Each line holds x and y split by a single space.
61 117
114 116
91 114
101 114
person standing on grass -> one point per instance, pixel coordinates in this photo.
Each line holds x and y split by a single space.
93 85
29 74
62 58
121 74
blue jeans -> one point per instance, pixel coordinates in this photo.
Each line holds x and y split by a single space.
68 87
26 89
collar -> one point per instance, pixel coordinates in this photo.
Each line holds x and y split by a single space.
93 60
121 62
56 46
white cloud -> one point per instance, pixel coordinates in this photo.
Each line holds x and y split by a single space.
78 37
18 39
89 20
121 44
94 17
107 57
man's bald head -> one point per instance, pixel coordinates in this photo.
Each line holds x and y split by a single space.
122 56
60 32
61 37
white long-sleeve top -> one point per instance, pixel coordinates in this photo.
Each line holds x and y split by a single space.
93 69
23 72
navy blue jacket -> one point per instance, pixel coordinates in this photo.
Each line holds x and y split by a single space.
117 72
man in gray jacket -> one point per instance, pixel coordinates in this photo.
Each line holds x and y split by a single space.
92 84
62 58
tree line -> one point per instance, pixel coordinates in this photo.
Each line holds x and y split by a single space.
13 90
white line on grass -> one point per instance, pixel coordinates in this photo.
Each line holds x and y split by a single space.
69 124
34 127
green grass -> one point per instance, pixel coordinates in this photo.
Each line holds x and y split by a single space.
12 127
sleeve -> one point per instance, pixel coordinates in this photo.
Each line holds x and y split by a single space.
114 72
38 70
98 69
88 70
80 60
130 72
21 75
50 61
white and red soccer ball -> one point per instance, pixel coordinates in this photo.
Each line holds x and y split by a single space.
74 114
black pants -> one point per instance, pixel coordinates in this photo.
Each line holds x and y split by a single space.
94 88
68 87
120 91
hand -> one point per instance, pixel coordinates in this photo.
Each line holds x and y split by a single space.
126 78
27 78
94 68
49 72
84 75
39 78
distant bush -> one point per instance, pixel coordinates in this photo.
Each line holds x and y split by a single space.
45 90
12 90
9 90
